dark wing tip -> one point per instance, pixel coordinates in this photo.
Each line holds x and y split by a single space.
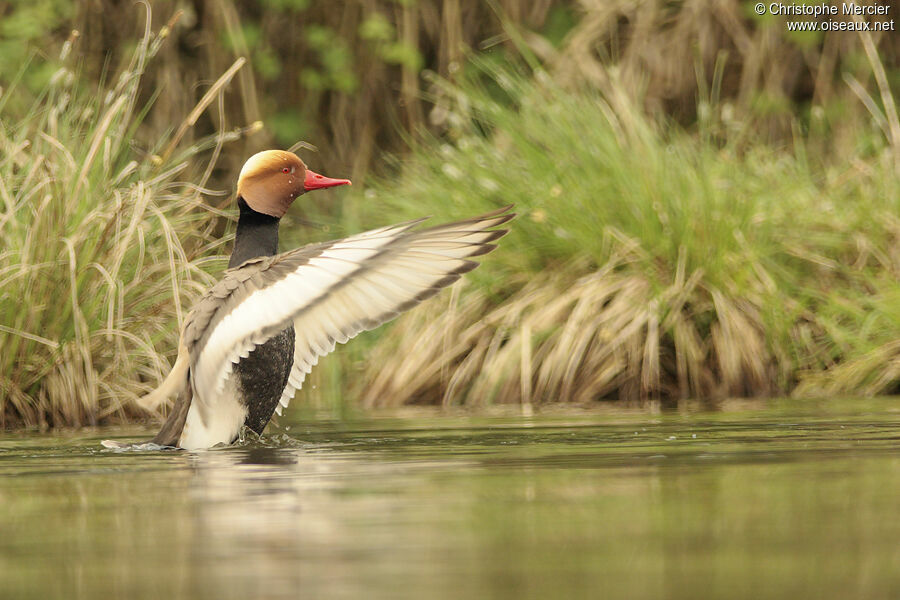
482 249
498 211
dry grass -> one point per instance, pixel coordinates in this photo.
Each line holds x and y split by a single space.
606 335
102 247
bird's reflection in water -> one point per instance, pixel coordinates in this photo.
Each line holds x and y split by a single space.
279 515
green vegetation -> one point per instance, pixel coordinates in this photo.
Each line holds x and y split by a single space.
742 244
646 263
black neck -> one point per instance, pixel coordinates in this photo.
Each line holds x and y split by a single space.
257 235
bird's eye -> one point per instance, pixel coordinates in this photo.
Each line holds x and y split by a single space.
285 170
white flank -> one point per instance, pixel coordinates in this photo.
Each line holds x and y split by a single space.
221 425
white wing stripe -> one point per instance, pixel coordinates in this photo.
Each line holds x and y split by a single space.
265 307
382 290
367 279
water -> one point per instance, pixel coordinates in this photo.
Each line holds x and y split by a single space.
788 499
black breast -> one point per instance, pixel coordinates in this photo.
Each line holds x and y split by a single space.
262 377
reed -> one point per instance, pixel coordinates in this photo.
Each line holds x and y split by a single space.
102 244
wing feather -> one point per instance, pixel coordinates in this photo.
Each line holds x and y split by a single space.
331 293
403 278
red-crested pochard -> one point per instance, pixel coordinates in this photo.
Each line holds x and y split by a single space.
249 342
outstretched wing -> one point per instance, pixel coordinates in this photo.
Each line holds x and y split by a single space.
330 291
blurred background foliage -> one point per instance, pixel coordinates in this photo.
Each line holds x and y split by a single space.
708 201
345 75
357 78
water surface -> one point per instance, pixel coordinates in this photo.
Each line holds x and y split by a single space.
786 499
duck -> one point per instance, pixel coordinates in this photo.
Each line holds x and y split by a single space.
250 340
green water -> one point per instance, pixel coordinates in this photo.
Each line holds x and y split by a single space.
789 499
